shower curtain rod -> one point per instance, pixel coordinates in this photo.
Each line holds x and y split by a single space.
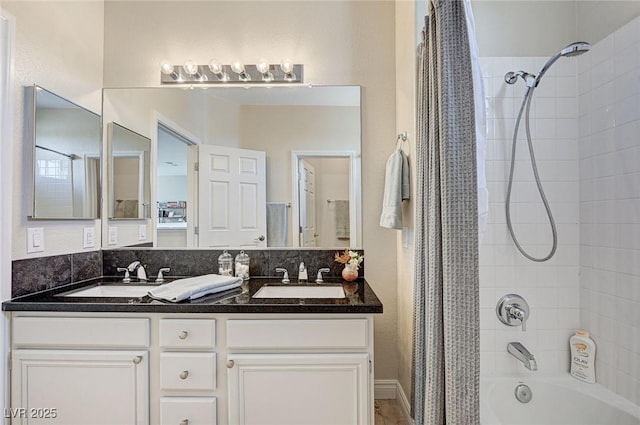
70 156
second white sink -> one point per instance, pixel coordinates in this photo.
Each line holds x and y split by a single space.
300 291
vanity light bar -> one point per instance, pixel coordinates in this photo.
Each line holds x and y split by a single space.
232 74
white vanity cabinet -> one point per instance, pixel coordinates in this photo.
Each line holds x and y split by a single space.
72 371
192 369
188 375
299 372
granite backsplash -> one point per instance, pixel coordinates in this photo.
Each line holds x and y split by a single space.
37 274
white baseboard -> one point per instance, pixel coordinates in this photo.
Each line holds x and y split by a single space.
390 389
385 389
404 404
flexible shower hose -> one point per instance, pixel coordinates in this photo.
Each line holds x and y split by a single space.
526 106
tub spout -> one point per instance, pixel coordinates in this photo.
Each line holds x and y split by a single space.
519 351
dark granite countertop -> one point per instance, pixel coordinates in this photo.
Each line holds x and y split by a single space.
360 299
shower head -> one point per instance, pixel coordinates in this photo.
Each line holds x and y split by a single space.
573 49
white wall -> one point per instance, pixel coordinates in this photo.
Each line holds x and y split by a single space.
551 287
609 87
409 21
7 41
59 46
350 43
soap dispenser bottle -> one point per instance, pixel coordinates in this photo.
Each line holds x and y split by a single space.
302 273
583 357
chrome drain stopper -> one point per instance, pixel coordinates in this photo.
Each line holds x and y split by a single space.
523 393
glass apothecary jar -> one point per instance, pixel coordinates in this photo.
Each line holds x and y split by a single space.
242 265
225 264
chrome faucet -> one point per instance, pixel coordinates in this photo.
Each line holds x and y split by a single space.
285 276
137 267
303 276
519 351
319 275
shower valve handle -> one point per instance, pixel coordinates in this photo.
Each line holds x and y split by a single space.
513 310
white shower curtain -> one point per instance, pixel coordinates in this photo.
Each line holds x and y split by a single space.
446 329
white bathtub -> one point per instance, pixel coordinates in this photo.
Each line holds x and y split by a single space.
556 401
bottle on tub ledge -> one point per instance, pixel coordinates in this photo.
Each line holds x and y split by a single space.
583 357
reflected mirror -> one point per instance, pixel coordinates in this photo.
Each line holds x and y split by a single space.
129 173
228 164
66 157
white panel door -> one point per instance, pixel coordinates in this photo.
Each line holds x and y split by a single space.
307 196
299 389
232 197
84 387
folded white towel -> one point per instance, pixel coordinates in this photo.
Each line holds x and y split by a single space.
194 287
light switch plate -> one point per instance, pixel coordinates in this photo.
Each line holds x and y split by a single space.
35 239
89 237
142 232
112 237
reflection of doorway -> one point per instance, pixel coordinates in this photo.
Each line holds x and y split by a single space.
307 202
174 222
324 199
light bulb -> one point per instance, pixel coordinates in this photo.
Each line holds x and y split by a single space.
215 66
263 66
166 68
237 67
190 67
287 66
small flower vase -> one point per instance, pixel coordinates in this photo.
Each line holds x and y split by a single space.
350 272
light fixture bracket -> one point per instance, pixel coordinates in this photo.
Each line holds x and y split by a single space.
180 77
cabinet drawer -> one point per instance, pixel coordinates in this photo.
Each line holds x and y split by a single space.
188 333
298 334
188 411
188 371
80 332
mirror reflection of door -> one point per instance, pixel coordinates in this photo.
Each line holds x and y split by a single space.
307 187
323 201
129 169
232 197
173 188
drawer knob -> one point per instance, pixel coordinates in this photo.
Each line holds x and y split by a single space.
137 359
184 422
183 335
230 364
184 374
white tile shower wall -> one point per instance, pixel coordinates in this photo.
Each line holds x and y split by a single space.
609 134
551 288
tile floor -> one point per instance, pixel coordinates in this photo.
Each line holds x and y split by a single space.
388 412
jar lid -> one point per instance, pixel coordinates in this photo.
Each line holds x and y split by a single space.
225 256
242 256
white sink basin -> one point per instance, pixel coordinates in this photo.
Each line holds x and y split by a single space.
113 291
298 291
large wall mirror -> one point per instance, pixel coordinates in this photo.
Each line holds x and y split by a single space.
66 157
258 167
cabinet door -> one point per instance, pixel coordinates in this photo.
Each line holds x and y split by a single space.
84 387
298 389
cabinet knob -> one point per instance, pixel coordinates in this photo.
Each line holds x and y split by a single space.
183 335
137 359
230 364
184 422
184 374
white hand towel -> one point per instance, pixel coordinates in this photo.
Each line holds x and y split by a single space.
277 224
194 287
396 189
